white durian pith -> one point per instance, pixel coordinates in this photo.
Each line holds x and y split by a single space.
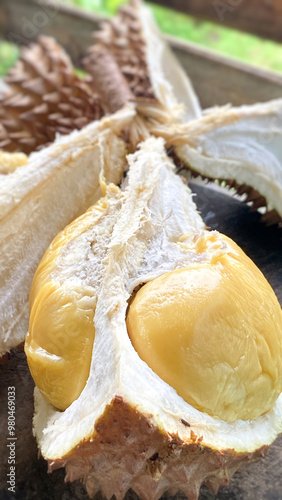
242 144
126 414
37 201
171 85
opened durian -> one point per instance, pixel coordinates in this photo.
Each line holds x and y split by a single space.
39 198
155 345
242 146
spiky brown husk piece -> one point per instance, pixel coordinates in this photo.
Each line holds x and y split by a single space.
122 37
45 97
252 196
154 78
128 451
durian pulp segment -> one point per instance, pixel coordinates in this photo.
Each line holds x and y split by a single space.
39 199
154 229
10 161
213 331
242 144
171 85
61 334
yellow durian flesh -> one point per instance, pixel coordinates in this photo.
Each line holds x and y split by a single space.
11 161
213 332
61 330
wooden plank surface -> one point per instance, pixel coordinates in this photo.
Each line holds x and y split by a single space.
259 17
257 481
217 79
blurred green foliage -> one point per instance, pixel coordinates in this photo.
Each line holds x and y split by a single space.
8 55
230 42
102 6
227 41
243 46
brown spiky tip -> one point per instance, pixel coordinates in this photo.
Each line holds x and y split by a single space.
128 450
44 97
109 80
122 36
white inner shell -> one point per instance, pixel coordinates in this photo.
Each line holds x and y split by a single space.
172 86
137 240
242 143
39 199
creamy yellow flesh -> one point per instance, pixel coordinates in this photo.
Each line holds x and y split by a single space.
10 161
213 332
61 330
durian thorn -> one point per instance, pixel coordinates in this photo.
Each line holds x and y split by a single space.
108 79
271 217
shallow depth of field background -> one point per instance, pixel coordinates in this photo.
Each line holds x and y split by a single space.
245 47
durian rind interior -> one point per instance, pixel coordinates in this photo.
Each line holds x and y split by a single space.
170 83
40 198
241 144
155 230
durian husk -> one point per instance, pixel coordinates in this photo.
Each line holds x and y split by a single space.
154 78
240 146
128 428
44 97
128 449
40 198
130 62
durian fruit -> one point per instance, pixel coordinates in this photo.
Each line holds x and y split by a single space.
43 97
155 345
155 80
242 146
41 197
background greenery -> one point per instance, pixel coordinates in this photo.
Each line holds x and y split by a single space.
248 48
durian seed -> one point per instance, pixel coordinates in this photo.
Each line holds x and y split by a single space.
213 332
